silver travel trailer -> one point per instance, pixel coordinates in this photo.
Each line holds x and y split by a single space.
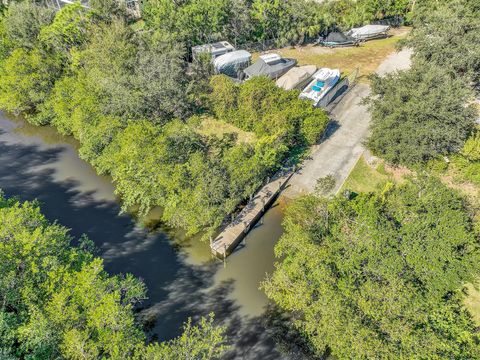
216 49
231 63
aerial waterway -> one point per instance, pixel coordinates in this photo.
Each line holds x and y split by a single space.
182 278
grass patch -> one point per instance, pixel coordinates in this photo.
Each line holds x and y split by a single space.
472 303
210 126
364 178
366 57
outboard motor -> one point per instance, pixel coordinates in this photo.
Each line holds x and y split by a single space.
241 75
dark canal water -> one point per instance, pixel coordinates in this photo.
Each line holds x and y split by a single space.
182 280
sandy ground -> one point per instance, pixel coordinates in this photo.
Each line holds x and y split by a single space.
342 147
395 62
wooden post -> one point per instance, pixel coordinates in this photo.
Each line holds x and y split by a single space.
224 255
245 230
211 241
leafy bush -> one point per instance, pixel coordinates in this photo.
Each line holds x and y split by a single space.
260 106
58 301
416 117
379 276
26 79
471 149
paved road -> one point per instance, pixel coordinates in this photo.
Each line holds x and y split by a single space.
339 152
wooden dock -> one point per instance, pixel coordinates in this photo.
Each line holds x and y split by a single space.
232 234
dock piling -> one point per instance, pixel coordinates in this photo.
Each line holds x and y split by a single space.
225 256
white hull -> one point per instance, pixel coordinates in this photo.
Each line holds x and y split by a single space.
323 80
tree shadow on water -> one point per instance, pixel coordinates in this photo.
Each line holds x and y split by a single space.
176 290
27 171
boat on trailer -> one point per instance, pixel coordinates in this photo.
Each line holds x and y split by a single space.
323 81
270 65
369 32
337 39
296 77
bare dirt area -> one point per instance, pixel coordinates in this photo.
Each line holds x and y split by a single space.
366 58
469 189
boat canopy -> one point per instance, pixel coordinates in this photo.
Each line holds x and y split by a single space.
337 39
368 32
296 77
273 69
231 62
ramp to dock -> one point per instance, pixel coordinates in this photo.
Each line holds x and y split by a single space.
232 234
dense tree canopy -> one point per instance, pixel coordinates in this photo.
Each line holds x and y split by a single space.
416 116
422 114
260 106
447 33
56 300
278 22
380 276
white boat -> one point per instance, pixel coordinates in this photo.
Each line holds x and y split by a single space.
323 80
369 32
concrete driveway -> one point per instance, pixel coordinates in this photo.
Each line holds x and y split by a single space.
343 144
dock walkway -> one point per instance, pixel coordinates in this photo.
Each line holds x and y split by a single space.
232 234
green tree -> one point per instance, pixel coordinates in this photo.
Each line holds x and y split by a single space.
68 29
285 22
108 10
418 115
26 79
159 77
260 106
193 21
471 149
446 33
57 301
380 276
23 22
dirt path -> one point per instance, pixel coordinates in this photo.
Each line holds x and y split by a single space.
343 146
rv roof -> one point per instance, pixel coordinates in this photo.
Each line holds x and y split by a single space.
213 47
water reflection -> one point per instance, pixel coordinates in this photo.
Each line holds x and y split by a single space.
37 163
